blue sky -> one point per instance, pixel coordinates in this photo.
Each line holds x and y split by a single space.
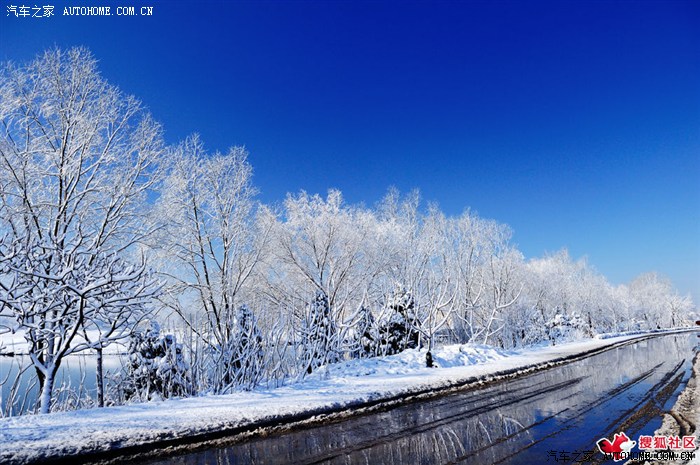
577 123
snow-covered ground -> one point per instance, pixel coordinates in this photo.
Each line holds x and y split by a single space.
331 389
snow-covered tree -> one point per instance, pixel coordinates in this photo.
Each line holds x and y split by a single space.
247 355
468 236
318 335
438 281
211 244
490 278
559 290
319 247
77 159
57 299
156 368
564 327
398 331
366 334
655 303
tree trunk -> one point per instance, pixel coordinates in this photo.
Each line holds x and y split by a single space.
100 379
429 354
47 391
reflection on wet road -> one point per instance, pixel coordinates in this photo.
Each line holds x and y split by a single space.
526 420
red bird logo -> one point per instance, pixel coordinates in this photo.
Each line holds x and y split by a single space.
621 444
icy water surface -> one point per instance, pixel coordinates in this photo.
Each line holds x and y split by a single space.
532 419
77 374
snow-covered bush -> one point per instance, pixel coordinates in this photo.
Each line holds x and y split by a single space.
566 327
318 335
398 331
156 368
367 335
247 353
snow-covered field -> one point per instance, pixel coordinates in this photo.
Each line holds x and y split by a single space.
331 389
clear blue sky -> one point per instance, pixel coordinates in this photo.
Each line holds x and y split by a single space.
577 123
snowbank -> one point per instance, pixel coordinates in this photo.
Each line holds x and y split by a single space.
684 417
331 390
413 361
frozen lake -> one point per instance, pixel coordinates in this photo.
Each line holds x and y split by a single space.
77 373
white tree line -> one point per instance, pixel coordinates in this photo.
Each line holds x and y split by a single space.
105 230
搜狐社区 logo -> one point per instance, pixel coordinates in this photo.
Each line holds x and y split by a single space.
619 448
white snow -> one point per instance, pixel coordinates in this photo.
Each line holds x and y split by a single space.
347 384
17 344
413 361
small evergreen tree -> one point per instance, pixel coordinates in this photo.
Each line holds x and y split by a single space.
399 332
156 367
366 335
247 359
318 335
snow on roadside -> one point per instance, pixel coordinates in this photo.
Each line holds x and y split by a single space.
348 384
413 360
684 417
